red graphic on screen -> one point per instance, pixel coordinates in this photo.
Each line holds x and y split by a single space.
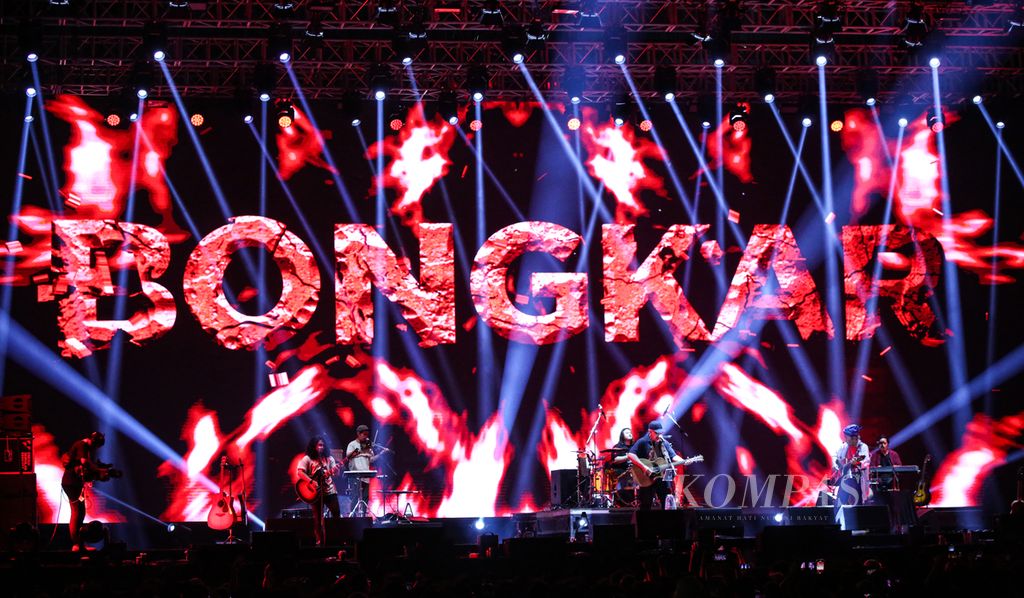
617 159
627 290
516 113
364 260
84 247
918 195
203 283
569 289
734 153
794 297
986 442
909 295
52 501
299 145
417 157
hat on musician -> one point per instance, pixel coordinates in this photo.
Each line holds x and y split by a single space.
362 428
654 425
852 430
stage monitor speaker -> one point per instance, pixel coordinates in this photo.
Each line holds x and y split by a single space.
952 519
17 499
874 518
563 488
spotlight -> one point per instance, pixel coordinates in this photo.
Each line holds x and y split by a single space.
806 122
197 119
479 524
448 107
32 57
778 518
170 528
315 29
247 119
408 42
976 100
705 124
619 121
396 124
134 116
574 124
719 63
836 126
765 83
902 122
821 60
615 45
666 82
113 120
738 117
476 124
380 81
29 118
621 111
646 125
154 40
30 39
936 122
141 92
1000 125
279 42
867 86
476 82
1016 20
352 108
915 28
264 81
718 49
574 82
490 14
584 522
535 32
588 17
387 13
513 41
284 6
870 102
32 91
518 58
934 62
285 114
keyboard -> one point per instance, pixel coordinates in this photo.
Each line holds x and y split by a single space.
896 469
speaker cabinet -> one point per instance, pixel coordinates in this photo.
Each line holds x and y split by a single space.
17 499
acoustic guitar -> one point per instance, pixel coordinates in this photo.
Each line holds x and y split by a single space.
222 514
309 490
923 495
659 467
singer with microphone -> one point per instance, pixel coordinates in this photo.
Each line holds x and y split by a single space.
653 459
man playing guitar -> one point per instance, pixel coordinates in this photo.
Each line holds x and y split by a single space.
317 467
652 446
849 468
81 467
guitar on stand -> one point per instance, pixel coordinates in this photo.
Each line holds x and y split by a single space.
222 515
923 494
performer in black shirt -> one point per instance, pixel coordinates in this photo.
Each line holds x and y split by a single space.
81 467
652 446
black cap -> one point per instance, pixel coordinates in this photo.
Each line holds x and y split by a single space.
654 425
361 428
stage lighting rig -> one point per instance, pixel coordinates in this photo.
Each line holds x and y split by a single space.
264 81
279 42
765 82
588 17
490 14
738 117
154 40
666 82
828 20
380 81
284 7
396 117
573 123
867 86
285 113
936 121
178 3
615 45
535 32
1016 20
513 41
915 26
244 104
574 83
476 82
621 111
352 108
197 119
387 13
315 28
706 110
30 39
448 107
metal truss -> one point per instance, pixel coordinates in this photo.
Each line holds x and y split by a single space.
91 47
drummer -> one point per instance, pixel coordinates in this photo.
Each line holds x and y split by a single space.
618 469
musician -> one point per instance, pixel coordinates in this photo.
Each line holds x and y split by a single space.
883 456
849 468
653 446
361 454
81 466
318 466
620 459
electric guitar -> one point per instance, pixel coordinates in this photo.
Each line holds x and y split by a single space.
1017 506
658 466
923 495
103 473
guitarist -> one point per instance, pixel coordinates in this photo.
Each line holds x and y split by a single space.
849 468
318 466
81 467
653 446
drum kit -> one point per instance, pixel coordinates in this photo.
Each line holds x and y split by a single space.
603 483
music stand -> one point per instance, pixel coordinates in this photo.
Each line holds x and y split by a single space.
357 477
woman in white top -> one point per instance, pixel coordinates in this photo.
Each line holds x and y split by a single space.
319 466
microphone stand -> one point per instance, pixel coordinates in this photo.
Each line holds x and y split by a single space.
241 498
580 479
